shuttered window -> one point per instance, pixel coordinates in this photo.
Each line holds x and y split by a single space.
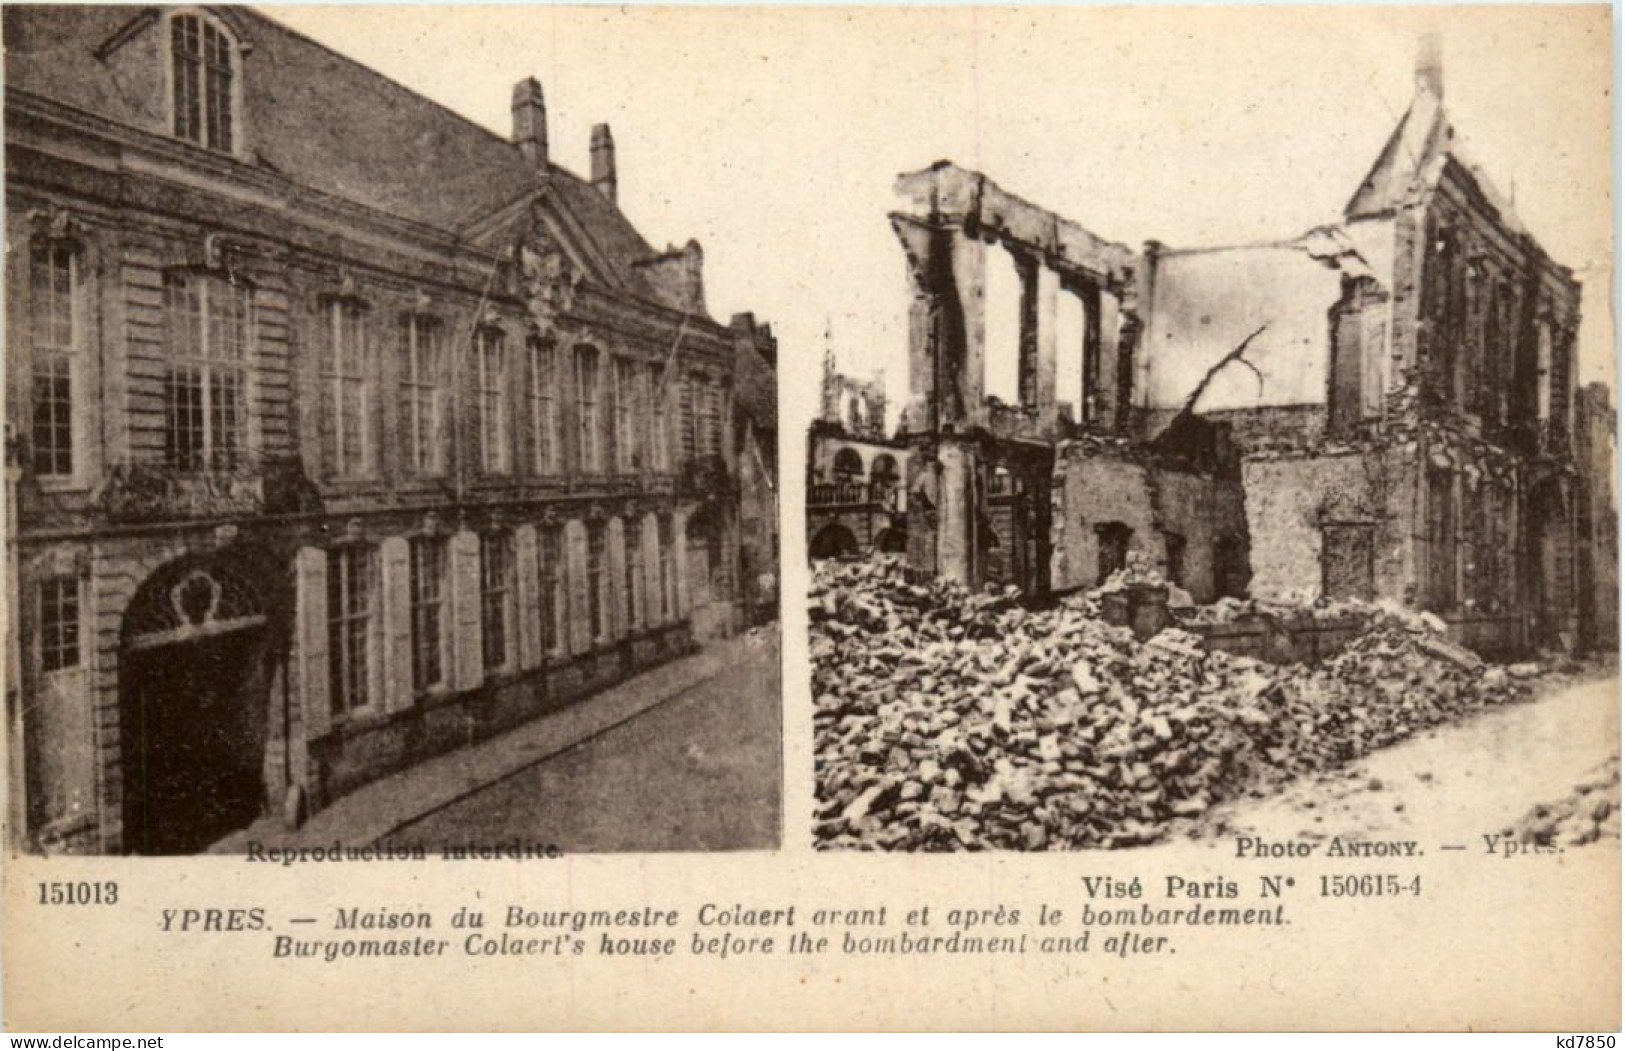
496 599
668 570
351 600
428 611
632 592
551 593
597 584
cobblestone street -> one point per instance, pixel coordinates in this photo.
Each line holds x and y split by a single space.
700 771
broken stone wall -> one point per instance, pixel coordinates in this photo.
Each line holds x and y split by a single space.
1176 521
1205 302
1595 427
1210 516
1094 496
1261 429
1302 509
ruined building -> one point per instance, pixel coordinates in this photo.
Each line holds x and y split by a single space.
1381 408
342 431
1042 488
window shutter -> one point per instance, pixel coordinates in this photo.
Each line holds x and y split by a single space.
397 596
467 661
679 543
575 558
526 568
310 570
651 569
620 619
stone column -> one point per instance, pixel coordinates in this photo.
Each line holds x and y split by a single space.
1048 291
1099 358
920 244
969 268
958 549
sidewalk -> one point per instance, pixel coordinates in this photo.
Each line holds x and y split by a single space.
375 810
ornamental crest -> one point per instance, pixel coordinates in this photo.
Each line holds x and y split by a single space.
548 280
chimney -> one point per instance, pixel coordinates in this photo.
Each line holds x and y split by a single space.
530 123
1430 64
603 160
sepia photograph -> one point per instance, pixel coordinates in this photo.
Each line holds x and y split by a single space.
1111 541
372 478
601 517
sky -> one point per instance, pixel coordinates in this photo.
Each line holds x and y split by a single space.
774 135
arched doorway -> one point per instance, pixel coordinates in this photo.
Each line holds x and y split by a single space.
833 541
195 669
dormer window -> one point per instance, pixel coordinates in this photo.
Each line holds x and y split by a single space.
203 81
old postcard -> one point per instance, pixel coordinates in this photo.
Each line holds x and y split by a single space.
1066 517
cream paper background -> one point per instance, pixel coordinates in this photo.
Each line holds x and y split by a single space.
773 135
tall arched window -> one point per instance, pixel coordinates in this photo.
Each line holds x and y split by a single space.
203 81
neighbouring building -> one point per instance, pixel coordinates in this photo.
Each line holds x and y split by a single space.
1597 515
1385 407
343 431
756 442
855 472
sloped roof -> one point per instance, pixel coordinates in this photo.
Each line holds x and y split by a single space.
320 120
756 390
1414 158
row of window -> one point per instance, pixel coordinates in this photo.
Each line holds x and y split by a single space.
354 593
622 410
354 603
1480 351
1472 549
848 467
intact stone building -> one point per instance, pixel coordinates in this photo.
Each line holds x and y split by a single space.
1381 408
342 431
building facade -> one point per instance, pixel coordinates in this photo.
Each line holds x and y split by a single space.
855 496
343 431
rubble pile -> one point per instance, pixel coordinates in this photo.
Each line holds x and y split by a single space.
1589 814
946 720
1230 610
